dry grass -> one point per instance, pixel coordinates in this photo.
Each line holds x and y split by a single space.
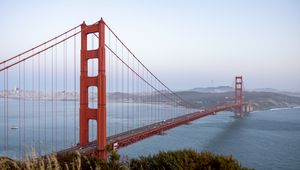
181 159
66 161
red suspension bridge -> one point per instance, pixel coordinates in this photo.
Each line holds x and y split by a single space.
115 100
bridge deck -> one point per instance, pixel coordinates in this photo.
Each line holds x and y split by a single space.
126 138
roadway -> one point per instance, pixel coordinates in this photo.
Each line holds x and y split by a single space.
132 136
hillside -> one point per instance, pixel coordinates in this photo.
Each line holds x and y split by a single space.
219 89
260 100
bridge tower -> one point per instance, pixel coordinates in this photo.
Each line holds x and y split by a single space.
98 81
239 96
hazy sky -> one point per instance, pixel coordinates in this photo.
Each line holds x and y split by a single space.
185 43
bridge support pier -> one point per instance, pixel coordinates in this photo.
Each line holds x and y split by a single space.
98 81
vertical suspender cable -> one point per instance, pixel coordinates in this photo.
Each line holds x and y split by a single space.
174 106
161 102
6 118
19 117
149 96
144 92
158 102
114 90
109 86
155 102
150 104
66 93
138 96
4 109
128 91
122 75
45 105
117 88
55 80
133 115
112 93
32 100
52 104
39 107
75 106
24 106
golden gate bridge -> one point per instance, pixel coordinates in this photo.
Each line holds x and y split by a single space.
113 101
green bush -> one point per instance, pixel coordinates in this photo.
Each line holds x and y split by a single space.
185 159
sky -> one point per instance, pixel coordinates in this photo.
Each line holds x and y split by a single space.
187 43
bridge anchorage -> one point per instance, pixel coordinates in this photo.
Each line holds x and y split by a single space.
128 103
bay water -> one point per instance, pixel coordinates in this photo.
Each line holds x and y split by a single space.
262 140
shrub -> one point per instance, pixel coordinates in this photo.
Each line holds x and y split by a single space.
185 159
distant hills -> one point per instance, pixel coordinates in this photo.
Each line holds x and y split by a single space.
297 94
262 98
213 96
219 89
223 89
201 97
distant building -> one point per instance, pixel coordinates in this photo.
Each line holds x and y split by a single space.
16 90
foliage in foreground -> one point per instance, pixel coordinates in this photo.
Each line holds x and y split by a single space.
185 159
181 159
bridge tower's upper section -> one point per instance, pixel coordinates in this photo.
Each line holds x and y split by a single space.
239 95
98 81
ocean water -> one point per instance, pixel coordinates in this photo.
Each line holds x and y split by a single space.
260 140
48 126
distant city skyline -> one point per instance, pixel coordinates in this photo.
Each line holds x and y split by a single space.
187 44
